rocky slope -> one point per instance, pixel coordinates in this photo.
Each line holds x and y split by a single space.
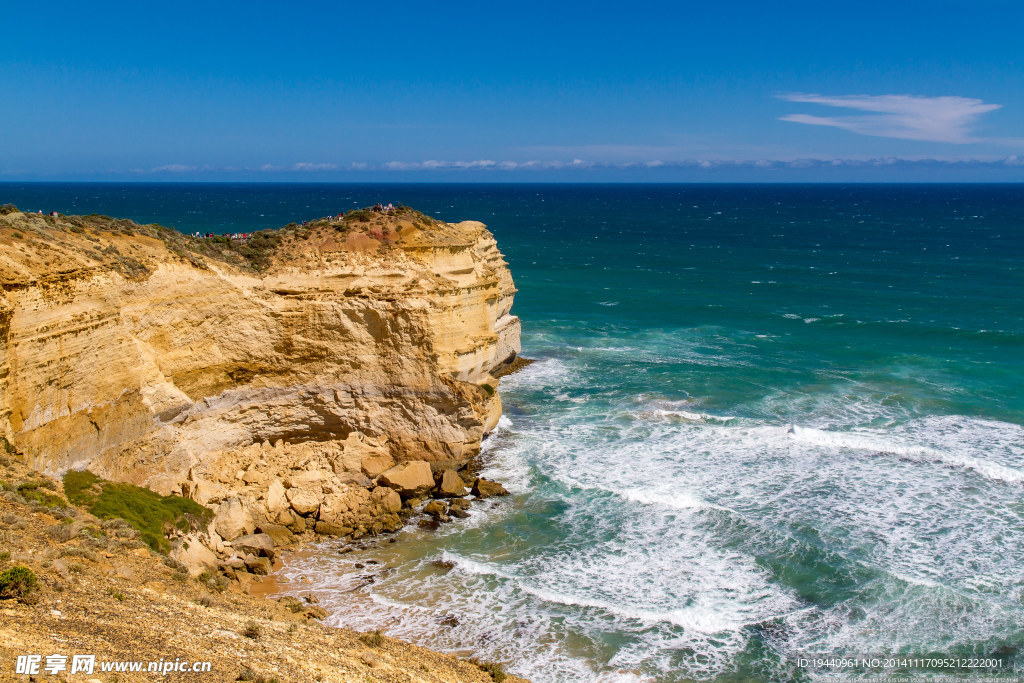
283 380
99 590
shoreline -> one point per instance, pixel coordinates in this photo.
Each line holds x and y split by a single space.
97 589
271 586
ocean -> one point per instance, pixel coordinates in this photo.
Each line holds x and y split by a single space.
765 422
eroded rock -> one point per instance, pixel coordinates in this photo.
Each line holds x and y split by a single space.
410 479
451 485
232 519
482 488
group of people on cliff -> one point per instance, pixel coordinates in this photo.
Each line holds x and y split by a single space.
234 235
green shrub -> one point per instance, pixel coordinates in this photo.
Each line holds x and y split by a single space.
359 215
60 532
374 639
146 510
496 671
30 491
79 552
18 582
252 630
214 582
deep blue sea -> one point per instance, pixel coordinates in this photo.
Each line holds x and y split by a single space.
765 420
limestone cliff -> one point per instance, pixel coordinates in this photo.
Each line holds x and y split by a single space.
182 363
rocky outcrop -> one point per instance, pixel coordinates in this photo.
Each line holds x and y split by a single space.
482 488
409 479
106 592
276 381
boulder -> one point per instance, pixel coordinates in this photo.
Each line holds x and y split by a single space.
487 489
342 508
305 479
303 501
355 478
279 534
328 529
375 463
277 501
258 565
435 509
458 513
196 557
261 545
460 503
451 485
254 477
409 478
235 562
388 499
392 522
232 519
438 466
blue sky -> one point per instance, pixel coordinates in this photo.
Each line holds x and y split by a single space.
897 90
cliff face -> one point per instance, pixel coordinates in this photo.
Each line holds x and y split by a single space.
162 360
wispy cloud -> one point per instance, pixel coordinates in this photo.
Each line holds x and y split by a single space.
575 167
173 168
308 166
909 117
483 164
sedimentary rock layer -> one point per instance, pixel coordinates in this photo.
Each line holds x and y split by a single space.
180 363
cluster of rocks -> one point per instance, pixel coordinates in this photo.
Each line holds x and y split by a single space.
289 494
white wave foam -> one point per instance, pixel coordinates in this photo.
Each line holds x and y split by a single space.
687 415
701 618
677 586
678 500
867 441
548 372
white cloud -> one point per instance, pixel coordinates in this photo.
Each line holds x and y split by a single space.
173 168
476 164
910 117
307 166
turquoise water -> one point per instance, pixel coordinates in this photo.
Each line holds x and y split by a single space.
764 421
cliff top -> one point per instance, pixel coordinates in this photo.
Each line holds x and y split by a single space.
39 246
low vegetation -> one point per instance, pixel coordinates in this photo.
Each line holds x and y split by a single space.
18 582
496 671
145 510
254 252
34 492
373 639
